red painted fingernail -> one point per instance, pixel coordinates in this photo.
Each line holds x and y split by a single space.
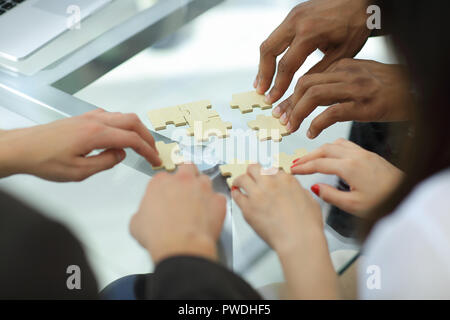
295 165
233 188
316 189
296 160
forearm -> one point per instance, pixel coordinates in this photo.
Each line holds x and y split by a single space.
308 269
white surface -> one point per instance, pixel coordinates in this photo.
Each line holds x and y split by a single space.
411 247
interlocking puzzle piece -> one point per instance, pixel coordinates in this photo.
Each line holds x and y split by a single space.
246 101
234 170
160 118
213 127
169 154
284 161
268 128
198 111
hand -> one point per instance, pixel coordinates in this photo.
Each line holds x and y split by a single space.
59 151
359 90
337 27
277 207
371 178
180 215
288 218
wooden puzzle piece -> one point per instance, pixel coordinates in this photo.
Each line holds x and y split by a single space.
169 154
268 128
246 101
198 111
213 127
284 161
234 170
160 118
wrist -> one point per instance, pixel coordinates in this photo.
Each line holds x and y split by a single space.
300 243
187 245
9 157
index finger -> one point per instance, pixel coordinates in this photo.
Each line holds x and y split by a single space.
114 138
270 49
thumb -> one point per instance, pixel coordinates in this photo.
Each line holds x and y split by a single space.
341 199
330 57
104 161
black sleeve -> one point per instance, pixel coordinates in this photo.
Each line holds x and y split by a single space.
193 278
35 253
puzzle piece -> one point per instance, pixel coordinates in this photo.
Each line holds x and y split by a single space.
234 170
160 118
213 127
246 101
284 161
169 154
198 111
268 128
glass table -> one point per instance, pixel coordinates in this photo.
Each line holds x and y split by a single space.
159 54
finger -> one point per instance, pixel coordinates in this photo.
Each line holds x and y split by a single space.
340 199
292 60
320 95
241 200
103 161
311 80
128 122
113 138
206 183
321 165
273 46
330 57
246 183
254 171
336 113
331 151
188 169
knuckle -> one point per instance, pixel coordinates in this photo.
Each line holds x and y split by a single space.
314 92
343 63
264 48
306 27
284 66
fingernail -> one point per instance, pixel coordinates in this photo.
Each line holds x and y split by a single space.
234 188
295 165
255 83
283 118
309 134
289 127
268 99
120 155
316 189
276 112
296 160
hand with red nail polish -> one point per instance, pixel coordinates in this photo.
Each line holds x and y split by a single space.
371 178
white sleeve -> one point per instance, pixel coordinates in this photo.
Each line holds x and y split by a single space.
407 256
